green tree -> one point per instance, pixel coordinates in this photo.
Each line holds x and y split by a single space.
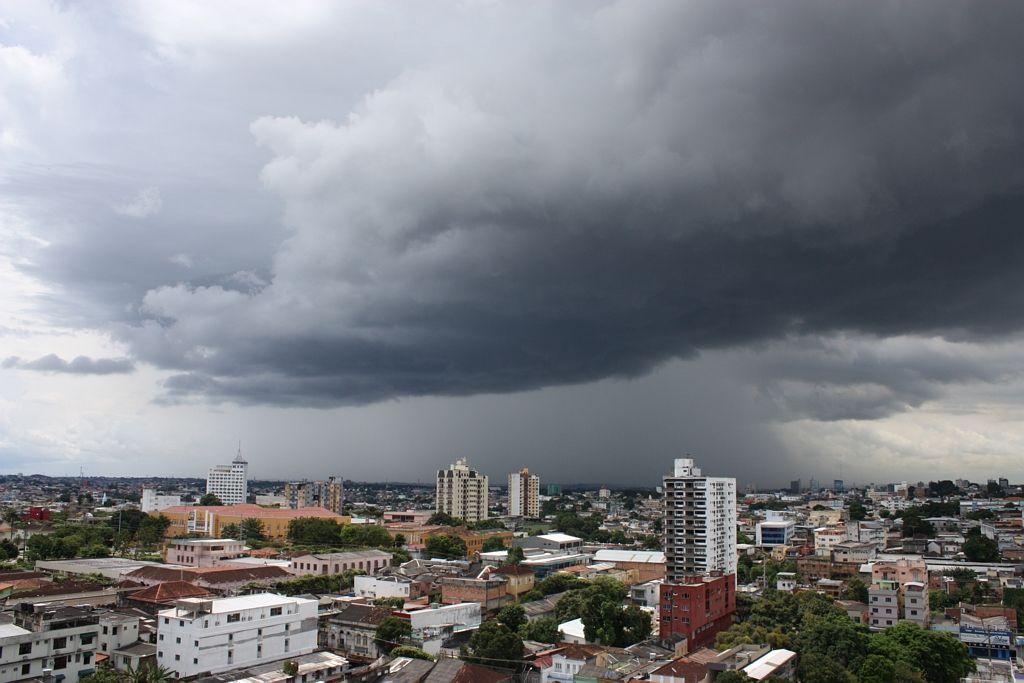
210 499
445 546
940 657
8 550
980 548
732 676
605 620
542 630
515 555
513 616
391 632
411 652
314 531
252 529
495 643
835 637
444 519
365 535
858 511
818 668
152 529
876 669
493 543
855 589
398 540
231 530
915 524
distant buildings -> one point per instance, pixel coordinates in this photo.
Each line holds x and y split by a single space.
229 482
523 494
554 489
210 520
369 561
329 494
700 522
212 636
462 492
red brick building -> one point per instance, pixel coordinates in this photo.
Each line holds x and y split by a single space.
698 608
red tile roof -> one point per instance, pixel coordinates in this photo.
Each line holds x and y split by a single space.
168 592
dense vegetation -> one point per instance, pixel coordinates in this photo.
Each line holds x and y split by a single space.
834 649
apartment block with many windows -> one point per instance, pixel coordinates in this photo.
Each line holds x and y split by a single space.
462 492
211 636
699 522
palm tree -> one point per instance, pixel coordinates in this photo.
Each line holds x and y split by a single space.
11 516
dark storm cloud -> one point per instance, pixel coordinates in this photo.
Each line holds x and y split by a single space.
80 365
575 194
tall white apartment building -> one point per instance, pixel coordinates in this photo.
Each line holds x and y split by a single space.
230 482
700 522
209 636
462 492
523 494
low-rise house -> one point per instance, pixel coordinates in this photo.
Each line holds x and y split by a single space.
352 630
391 586
488 591
152 599
775 664
518 579
202 552
554 542
649 564
433 625
369 561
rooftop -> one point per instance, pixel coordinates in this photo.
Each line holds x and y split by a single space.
560 538
646 556
235 604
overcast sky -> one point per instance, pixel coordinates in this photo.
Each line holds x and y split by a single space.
368 238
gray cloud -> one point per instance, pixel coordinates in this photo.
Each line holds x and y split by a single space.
573 193
80 365
647 183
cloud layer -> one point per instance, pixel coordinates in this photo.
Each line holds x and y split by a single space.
647 181
80 365
809 210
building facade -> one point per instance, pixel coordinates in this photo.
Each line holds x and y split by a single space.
209 636
328 494
369 561
208 520
698 608
523 494
229 482
462 492
202 552
700 523
152 501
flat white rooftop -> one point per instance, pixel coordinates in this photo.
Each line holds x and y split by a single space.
239 603
647 556
10 630
560 538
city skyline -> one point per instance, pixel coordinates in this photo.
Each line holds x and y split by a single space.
372 239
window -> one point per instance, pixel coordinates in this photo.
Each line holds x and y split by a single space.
104 630
25 649
232 618
113 631
178 641
177 658
60 662
59 643
275 611
195 660
86 657
25 668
